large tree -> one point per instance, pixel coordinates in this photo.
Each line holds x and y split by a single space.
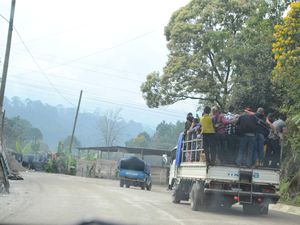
142 140
219 51
253 59
286 49
110 127
165 136
202 38
21 136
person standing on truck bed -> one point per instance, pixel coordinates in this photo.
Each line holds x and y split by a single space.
187 137
246 127
219 122
262 134
208 133
232 140
274 141
194 132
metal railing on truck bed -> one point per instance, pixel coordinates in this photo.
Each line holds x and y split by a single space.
192 151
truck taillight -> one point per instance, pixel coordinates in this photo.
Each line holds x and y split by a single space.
268 190
259 200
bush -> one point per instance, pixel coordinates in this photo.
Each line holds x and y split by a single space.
283 188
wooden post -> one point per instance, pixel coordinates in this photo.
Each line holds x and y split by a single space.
75 121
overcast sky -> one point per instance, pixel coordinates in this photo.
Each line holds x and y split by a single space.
104 47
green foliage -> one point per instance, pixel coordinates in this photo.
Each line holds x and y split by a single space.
142 140
296 200
21 136
64 163
51 166
283 188
165 137
203 39
76 142
254 62
220 53
284 196
22 150
166 134
286 50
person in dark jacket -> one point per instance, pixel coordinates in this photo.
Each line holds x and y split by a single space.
246 126
274 141
261 135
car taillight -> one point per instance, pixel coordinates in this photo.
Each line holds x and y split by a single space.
235 198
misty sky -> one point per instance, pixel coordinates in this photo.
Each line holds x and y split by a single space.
106 48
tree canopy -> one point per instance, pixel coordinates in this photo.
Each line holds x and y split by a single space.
286 50
165 137
21 136
219 51
110 127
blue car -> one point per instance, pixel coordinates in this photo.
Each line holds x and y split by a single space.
134 172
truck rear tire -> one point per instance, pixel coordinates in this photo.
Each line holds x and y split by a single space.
176 194
264 210
194 197
197 196
149 187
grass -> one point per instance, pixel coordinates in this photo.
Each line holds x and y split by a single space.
284 184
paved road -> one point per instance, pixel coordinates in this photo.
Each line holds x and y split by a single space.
58 199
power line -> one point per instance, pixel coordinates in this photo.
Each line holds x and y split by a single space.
105 49
38 66
95 98
92 94
85 83
87 69
51 34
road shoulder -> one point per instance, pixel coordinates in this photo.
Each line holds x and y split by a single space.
286 208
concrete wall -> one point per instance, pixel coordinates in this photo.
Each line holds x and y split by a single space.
102 168
159 175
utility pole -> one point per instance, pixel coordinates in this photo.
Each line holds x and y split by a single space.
75 121
7 52
2 128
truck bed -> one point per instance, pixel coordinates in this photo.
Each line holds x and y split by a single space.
199 170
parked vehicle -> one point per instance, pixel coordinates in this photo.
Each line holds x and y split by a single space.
134 172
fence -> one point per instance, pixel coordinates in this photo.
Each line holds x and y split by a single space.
192 149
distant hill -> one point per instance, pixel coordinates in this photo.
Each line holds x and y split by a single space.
56 122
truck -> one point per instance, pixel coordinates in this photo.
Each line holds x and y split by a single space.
134 172
191 179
